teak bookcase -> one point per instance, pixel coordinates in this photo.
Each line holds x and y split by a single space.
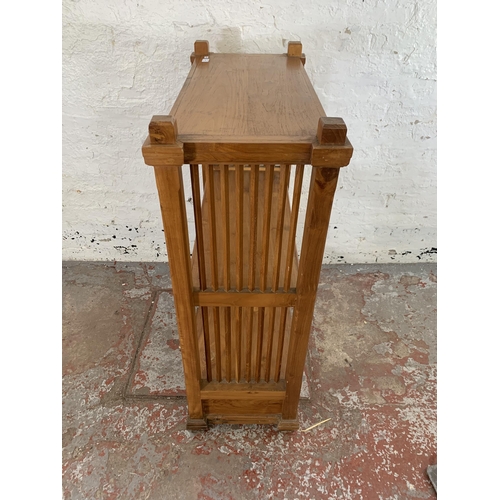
244 296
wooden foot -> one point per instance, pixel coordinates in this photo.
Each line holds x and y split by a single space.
288 425
196 424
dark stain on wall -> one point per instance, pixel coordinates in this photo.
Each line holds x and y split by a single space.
121 240
428 252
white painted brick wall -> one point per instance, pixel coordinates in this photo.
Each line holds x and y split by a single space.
371 62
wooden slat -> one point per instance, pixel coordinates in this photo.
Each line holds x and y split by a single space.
297 187
254 200
270 338
200 331
239 227
173 210
204 172
237 360
206 344
200 253
248 350
212 226
245 299
281 340
200 248
269 179
218 348
283 195
227 342
224 187
260 340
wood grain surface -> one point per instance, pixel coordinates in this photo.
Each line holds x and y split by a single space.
244 300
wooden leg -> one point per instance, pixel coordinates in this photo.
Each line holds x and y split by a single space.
173 211
321 192
288 425
196 424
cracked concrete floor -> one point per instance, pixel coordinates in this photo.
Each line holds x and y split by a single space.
372 370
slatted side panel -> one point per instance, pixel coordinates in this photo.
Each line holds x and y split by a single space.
246 219
246 344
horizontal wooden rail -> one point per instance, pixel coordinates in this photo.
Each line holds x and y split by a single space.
244 419
222 390
244 299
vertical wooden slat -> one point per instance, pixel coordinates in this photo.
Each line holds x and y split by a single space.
227 341
200 251
284 179
218 350
173 211
209 173
260 338
270 338
224 187
268 197
204 173
239 226
297 188
281 341
206 337
237 361
320 200
248 352
254 201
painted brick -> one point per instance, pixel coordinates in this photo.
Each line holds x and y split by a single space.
372 62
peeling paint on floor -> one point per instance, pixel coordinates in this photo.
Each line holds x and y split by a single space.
372 370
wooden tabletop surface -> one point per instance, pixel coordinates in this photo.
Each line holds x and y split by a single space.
247 98
247 108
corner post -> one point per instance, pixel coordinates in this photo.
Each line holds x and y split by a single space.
201 48
163 135
295 50
331 131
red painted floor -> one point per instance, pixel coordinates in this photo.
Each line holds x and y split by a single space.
371 371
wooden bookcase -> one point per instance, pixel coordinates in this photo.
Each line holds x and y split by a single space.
244 128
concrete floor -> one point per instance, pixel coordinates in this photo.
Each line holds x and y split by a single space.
371 370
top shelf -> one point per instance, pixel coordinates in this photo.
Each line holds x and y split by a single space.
249 98
247 108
